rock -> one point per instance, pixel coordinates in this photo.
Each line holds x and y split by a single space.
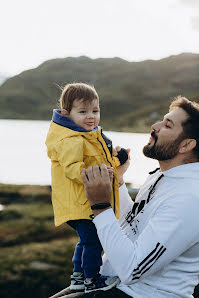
41 265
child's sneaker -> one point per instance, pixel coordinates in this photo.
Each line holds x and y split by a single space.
77 281
100 282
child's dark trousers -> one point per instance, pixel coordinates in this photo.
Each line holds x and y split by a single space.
88 252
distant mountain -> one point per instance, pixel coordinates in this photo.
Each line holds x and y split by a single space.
132 94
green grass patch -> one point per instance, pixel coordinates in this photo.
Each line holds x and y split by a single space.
35 256
36 269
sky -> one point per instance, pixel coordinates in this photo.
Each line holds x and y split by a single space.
33 31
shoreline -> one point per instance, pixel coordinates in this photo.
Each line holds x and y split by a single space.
10 193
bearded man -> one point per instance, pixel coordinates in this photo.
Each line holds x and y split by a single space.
154 247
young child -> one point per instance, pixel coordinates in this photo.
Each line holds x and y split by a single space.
75 141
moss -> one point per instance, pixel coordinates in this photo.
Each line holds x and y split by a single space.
9 215
19 279
28 237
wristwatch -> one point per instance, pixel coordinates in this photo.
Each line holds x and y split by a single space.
100 206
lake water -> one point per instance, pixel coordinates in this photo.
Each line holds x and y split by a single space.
23 158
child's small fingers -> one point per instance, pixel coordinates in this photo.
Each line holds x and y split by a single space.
114 152
118 148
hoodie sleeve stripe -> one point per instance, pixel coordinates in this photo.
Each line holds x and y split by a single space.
155 254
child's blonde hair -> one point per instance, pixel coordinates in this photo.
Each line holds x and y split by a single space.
76 91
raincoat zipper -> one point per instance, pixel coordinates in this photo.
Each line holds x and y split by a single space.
113 176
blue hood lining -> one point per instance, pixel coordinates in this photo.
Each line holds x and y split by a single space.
65 121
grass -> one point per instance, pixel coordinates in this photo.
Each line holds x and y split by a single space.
23 273
35 256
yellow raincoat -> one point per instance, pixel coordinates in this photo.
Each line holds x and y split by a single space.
70 151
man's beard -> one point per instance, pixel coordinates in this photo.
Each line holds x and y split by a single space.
163 151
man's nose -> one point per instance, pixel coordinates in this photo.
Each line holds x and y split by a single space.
156 126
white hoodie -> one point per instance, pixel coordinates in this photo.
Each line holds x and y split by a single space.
154 247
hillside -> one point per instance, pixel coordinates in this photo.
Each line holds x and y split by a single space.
133 94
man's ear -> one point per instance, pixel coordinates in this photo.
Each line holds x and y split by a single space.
64 112
187 145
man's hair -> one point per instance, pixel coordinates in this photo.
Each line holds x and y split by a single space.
76 91
191 125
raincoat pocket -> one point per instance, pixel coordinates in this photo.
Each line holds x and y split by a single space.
80 196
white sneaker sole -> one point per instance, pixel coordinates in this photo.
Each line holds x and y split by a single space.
76 287
105 288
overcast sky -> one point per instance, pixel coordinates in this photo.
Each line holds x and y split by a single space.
33 31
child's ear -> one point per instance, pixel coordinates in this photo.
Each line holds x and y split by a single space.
64 112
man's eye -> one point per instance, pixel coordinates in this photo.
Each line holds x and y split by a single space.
95 111
82 112
167 126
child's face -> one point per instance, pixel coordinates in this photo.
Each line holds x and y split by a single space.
86 114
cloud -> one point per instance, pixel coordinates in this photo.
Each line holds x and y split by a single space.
190 3
191 7
195 23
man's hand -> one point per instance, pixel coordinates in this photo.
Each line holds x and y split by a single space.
98 185
111 173
121 170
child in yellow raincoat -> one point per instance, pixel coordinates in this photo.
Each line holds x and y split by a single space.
75 141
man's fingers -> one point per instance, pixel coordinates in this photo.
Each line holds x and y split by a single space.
111 176
90 174
84 176
96 172
104 171
110 170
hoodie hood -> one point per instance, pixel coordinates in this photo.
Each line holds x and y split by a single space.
190 170
65 121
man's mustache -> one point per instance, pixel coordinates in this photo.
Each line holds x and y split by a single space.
154 136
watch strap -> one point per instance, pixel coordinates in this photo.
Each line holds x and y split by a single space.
100 206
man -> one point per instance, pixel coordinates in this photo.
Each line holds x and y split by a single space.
154 248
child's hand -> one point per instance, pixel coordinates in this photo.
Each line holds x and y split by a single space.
123 167
122 154
116 150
